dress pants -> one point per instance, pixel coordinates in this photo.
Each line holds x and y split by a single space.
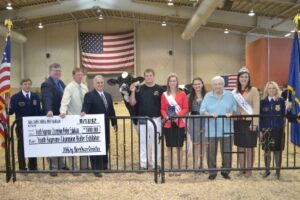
147 140
32 162
212 149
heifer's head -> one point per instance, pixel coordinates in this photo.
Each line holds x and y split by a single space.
124 81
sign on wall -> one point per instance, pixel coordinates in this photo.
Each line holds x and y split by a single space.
71 136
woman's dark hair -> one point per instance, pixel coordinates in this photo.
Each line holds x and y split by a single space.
239 86
193 93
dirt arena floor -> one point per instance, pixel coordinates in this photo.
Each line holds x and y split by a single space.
142 186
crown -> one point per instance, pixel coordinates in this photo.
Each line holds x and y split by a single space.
243 70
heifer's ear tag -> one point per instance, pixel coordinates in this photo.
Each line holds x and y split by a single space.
124 75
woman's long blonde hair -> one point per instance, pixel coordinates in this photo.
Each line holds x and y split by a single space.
277 94
168 87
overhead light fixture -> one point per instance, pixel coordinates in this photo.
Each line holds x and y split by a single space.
40 26
226 31
99 13
100 16
164 23
170 3
9 7
287 35
251 13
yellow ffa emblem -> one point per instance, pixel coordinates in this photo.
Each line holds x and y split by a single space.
277 108
34 102
21 103
265 109
156 93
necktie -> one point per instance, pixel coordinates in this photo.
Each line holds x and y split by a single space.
59 86
104 100
27 97
80 93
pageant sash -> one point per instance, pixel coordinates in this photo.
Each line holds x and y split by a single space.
242 102
172 102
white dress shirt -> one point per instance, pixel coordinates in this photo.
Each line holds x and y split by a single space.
24 93
71 102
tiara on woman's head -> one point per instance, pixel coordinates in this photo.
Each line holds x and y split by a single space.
243 70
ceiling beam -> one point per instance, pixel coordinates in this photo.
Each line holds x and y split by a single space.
77 5
203 12
233 18
71 6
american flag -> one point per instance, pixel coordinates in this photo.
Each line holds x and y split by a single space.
107 53
4 86
230 81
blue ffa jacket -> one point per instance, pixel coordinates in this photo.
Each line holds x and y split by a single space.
20 106
277 107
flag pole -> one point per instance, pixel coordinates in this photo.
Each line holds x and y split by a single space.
8 23
287 128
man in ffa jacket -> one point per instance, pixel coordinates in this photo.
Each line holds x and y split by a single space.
24 103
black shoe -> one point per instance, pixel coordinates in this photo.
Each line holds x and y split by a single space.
98 174
266 174
53 174
225 175
65 168
212 177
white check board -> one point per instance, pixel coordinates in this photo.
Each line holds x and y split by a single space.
71 136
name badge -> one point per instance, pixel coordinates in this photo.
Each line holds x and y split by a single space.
277 108
21 103
156 93
265 109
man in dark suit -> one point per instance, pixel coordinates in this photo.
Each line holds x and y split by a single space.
22 104
99 102
52 91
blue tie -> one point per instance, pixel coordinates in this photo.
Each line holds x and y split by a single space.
59 86
27 98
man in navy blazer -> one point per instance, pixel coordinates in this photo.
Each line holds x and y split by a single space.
52 92
22 104
95 103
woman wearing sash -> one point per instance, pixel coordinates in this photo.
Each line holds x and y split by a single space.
245 137
174 104
272 128
195 125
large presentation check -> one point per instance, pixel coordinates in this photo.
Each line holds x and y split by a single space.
71 136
